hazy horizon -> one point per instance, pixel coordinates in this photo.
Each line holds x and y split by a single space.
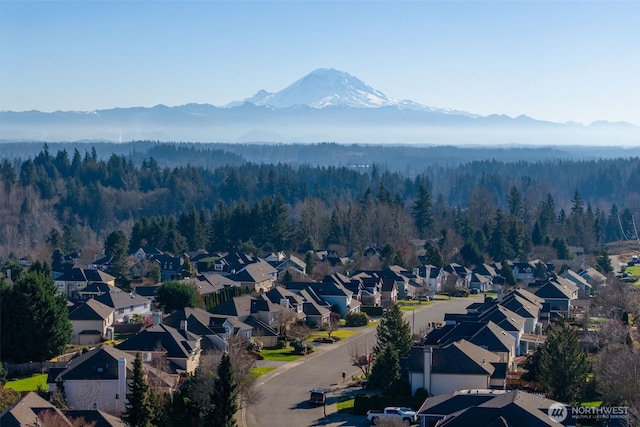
555 61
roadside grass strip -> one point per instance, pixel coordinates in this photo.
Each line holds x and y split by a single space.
258 372
28 383
280 354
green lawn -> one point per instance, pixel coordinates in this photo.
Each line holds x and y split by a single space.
28 383
340 333
345 404
280 354
258 372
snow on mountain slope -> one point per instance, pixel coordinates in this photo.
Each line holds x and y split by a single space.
327 87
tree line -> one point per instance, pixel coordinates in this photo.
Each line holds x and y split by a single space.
505 209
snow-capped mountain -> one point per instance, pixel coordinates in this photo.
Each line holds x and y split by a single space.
327 87
325 105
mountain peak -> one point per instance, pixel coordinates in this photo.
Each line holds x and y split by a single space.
325 87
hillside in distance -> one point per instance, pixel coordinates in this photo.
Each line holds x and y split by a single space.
326 105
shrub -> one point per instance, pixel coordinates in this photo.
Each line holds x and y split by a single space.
356 319
282 343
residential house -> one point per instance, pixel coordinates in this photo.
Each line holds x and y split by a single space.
584 287
76 280
146 252
282 262
179 347
487 335
523 271
98 380
593 276
125 305
95 418
455 366
389 292
558 293
434 276
215 330
90 321
489 408
462 273
260 313
101 263
30 411
170 266
480 282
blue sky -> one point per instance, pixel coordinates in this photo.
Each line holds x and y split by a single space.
551 60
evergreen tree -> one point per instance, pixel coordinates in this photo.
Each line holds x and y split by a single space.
393 330
386 369
498 247
35 324
423 212
116 246
603 262
564 367
507 273
471 253
433 255
224 397
310 261
172 296
138 410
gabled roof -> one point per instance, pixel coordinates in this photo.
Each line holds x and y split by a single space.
278 293
176 343
85 275
576 279
91 310
101 419
493 338
97 364
97 288
530 296
514 408
485 270
445 404
463 357
27 410
258 271
119 299
553 289
521 306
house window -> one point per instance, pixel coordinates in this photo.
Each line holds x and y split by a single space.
94 406
217 267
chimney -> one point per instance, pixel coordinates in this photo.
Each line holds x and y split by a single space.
183 325
122 385
156 316
427 368
9 273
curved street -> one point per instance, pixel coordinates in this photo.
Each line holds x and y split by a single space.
285 390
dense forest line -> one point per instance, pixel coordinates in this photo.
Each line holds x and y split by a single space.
213 198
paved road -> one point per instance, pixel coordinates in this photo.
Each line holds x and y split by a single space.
285 391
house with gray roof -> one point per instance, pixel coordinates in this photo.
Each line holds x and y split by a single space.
75 280
90 321
455 366
558 293
31 410
489 408
180 347
215 330
125 304
584 287
98 379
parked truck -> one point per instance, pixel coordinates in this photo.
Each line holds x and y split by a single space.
407 415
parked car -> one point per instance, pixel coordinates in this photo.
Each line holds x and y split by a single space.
318 396
407 415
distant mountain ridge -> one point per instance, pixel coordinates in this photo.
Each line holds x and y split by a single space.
325 105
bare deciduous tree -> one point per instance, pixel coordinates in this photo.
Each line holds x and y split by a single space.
361 357
617 370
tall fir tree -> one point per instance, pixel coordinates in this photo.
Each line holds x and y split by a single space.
423 212
138 409
224 397
35 323
386 369
393 330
